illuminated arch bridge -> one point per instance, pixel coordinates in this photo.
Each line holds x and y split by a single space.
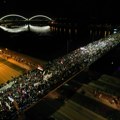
17 23
15 17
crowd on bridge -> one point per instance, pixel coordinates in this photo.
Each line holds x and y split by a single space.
21 92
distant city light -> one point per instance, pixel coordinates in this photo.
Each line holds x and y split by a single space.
114 31
112 63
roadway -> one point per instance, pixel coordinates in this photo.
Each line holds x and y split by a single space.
62 104
8 71
10 68
74 111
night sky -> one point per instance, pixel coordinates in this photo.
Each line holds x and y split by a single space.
97 9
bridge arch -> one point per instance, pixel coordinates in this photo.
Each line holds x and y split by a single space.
15 15
44 16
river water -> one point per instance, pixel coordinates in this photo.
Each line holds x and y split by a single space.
49 45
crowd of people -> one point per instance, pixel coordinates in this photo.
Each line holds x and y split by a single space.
21 92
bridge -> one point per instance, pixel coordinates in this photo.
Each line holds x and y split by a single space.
57 71
17 23
16 17
83 57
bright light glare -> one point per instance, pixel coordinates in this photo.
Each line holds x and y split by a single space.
15 30
42 29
